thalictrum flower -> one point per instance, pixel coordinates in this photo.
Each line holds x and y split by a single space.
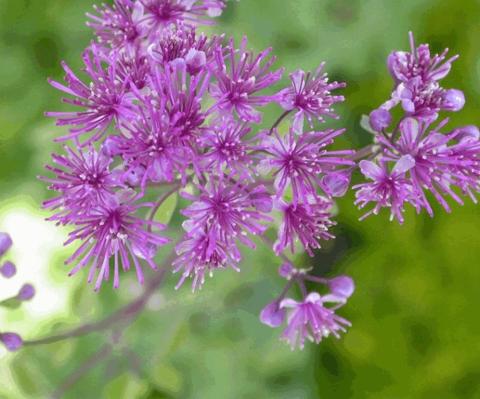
310 96
103 100
228 212
202 254
299 161
310 319
82 180
240 76
111 231
308 223
115 26
388 189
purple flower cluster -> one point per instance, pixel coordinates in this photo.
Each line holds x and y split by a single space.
12 341
309 318
159 110
417 160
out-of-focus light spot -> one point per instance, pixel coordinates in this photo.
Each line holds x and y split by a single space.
35 243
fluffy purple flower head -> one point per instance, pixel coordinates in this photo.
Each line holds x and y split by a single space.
82 180
441 161
308 223
417 75
310 319
180 44
112 231
227 148
404 66
203 254
12 341
228 212
310 96
299 161
5 243
246 75
183 95
149 142
158 14
390 189
116 26
103 100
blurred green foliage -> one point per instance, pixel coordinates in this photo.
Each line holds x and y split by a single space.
415 312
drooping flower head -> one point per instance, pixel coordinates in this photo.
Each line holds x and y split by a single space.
308 223
310 319
310 96
202 254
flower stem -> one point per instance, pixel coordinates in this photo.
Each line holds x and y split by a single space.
127 314
278 121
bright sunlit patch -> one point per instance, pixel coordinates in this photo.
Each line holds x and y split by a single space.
35 242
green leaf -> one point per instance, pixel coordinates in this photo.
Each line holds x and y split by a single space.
166 378
11 303
125 386
165 212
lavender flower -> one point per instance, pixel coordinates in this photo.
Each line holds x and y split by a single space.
104 99
201 254
109 231
228 148
115 26
228 212
82 180
417 75
308 223
299 161
149 143
388 189
180 44
246 75
341 288
404 66
158 14
441 161
311 319
310 96
182 95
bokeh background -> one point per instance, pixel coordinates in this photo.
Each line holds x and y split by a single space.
415 313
